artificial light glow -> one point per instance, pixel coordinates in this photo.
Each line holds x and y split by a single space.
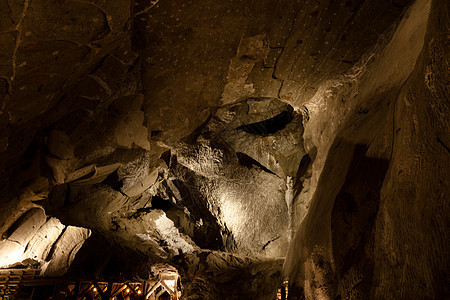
95 289
232 212
10 253
128 290
170 284
139 292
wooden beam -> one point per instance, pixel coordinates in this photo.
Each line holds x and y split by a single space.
101 291
168 288
76 290
108 290
131 288
121 289
84 291
157 285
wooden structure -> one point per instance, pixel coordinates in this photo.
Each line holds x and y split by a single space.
99 290
282 291
165 287
26 284
10 280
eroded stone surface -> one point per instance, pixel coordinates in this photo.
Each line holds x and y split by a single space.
32 241
64 251
40 245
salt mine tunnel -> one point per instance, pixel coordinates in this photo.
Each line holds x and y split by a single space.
179 149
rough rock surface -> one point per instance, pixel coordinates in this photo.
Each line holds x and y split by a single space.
379 235
34 241
64 251
244 143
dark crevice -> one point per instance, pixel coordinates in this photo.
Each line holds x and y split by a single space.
21 220
305 165
400 3
209 235
269 126
191 199
53 249
443 144
268 242
67 201
98 65
249 162
166 157
113 181
160 203
155 133
137 214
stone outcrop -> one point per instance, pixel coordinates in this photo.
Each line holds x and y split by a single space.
33 241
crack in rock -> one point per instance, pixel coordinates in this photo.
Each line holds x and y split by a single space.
18 28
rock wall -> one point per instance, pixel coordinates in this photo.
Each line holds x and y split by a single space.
374 232
37 241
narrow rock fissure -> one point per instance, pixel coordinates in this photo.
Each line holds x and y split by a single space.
249 162
269 126
55 244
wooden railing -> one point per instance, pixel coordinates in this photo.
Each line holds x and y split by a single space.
27 282
10 280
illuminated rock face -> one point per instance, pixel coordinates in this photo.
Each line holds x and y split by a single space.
37 242
245 143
